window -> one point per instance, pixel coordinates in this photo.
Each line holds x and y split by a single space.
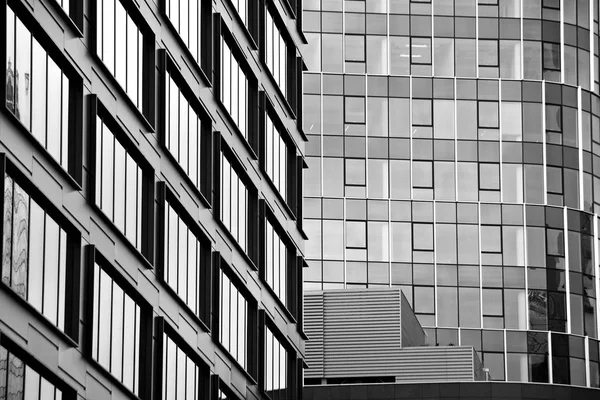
235 319
118 326
19 380
186 263
40 255
188 130
184 374
191 21
125 47
276 158
234 202
234 89
275 383
119 181
42 92
276 50
276 265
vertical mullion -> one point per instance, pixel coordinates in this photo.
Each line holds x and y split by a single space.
43 260
47 94
178 155
110 304
176 283
126 227
58 278
136 347
122 377
28 249
100 27
114 165
126 56
60 152
31 84
114 33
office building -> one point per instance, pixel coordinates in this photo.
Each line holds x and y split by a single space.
454 153
151 162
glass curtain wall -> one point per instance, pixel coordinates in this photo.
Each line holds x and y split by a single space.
454 152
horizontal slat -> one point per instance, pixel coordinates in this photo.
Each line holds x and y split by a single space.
359 333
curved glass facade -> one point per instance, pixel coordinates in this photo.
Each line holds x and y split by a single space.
454 151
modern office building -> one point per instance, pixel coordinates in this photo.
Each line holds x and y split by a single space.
151 158
454 152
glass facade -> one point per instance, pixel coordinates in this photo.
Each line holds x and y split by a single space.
141 145
453 152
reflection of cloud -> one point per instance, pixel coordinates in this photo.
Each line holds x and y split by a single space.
537 307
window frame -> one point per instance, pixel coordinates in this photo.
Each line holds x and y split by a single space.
9 344
251 28
146 110
73 170
95 259
146 251
252 346
288 305
70 331
169 68
217 384
222 149
165 328
288 96
74 16
167 198
291 199
293 385
222 33
204 46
